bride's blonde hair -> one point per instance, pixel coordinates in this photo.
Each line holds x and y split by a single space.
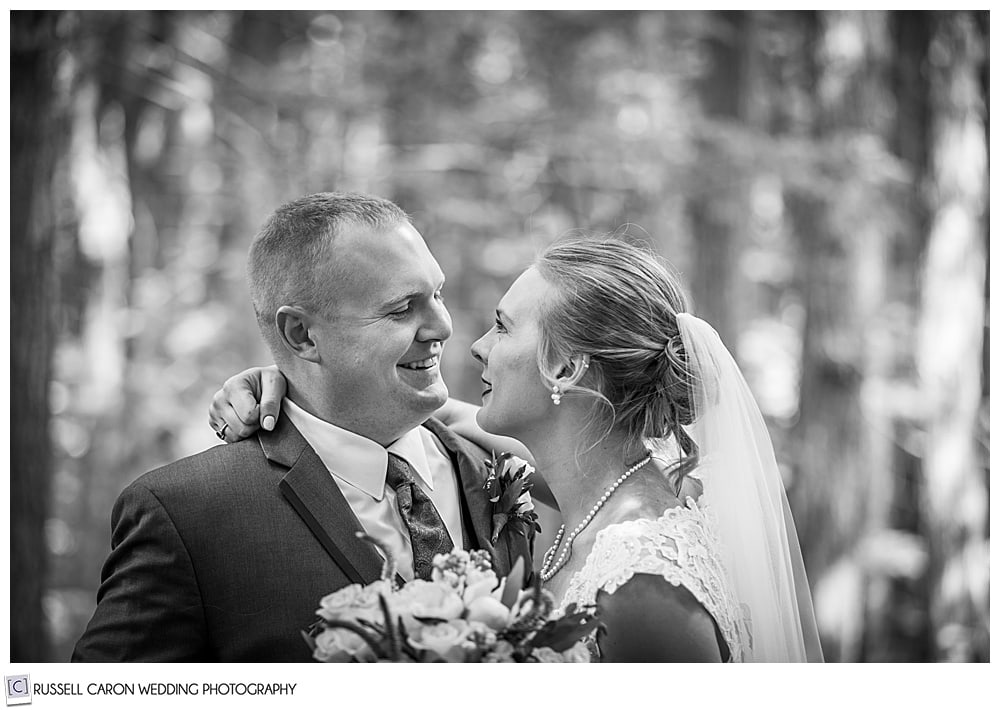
618 303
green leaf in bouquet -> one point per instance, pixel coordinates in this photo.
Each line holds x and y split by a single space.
404 642
372 625
315 627
391 633
563 633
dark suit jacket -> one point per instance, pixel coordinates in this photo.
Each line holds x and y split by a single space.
224 556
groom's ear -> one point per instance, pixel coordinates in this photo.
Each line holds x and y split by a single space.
295 332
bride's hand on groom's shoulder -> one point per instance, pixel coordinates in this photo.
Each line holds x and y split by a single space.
247 401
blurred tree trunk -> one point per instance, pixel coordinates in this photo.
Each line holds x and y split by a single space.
717 211
826 430
37 143
93 340
843 442
956 494
569 96
92 55
903 633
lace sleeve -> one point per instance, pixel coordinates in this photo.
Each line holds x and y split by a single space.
681 548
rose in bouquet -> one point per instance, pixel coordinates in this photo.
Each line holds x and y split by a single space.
463 614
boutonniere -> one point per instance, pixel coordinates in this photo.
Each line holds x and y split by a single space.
508 488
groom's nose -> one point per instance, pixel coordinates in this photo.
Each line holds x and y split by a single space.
437 326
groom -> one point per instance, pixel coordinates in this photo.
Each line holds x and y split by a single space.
225 555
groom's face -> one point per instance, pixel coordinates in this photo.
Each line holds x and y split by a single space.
381 347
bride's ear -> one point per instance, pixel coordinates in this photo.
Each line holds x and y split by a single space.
573 371
294 330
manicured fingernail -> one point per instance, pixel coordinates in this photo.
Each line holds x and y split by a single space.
269 422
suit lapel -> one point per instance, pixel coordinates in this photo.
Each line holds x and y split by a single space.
314 495
467 460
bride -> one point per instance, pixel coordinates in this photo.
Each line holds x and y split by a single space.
596 367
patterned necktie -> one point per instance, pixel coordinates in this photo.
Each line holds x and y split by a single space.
428 535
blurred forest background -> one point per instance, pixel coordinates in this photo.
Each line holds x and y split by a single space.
820 180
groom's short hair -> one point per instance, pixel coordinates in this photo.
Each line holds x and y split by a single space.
296 239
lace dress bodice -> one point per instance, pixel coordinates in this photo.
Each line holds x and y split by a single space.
682 547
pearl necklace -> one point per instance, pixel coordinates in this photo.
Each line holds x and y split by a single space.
549 570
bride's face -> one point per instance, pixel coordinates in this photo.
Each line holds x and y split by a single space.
514 395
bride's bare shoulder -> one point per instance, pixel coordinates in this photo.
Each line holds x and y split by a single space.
644 498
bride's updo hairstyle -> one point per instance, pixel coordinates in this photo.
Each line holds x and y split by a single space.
618 303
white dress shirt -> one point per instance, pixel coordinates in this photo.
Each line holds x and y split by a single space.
358 466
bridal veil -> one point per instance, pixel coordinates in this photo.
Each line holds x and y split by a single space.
743 486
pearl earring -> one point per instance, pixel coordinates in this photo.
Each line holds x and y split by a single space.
556 395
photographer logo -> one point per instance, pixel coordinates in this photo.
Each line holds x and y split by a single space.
18 689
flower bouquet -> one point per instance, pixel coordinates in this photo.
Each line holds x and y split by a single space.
464 614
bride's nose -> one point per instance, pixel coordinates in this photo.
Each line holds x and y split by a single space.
480 351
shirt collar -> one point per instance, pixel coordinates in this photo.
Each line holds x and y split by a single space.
411 447
355 459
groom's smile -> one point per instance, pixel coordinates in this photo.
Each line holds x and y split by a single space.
422 372
426 364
